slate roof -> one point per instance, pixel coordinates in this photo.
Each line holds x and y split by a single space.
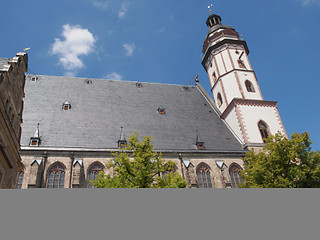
100 109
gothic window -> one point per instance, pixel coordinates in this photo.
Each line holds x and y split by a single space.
56 176
249 86
93 172
264 131
19 181
219 100
204 177
234 172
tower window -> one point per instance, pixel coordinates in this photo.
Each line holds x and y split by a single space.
264 131
204 177
219 100
249 86
234 172
241 63
214 77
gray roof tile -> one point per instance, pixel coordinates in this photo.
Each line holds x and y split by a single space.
98 111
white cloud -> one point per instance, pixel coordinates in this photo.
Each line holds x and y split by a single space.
123 10
77 41
102 5
114 76
161 30
129 48
309 2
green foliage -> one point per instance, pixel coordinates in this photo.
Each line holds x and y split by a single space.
138 166
283 163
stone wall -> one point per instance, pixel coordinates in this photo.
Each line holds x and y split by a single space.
38 166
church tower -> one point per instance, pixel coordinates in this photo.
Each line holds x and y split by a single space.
235 87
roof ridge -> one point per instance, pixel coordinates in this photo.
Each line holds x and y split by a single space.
115 80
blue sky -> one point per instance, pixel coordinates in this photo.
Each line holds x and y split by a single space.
161 41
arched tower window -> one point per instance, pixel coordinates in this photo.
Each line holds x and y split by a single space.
264 130
234 172
56 176
93 172
19 181
219 99
204 177
249 86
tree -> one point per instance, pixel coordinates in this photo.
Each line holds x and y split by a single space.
138 166
283 163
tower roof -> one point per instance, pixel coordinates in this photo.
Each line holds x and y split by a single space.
212 20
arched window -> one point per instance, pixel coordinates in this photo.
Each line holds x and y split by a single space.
56 176
249 86
204 178
93 172
19 181
234 172
219 99
264 131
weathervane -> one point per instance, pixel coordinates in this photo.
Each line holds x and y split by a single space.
209 7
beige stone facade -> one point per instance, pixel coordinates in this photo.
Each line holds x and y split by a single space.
77 165
12 80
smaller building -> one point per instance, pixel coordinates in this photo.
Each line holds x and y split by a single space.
12 80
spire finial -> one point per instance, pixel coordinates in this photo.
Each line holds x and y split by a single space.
37 132
209 7
121 134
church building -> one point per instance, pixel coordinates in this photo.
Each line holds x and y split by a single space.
72 125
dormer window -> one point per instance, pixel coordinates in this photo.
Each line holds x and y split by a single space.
88 81
139 85
34 78
34 141
122 142
66 106
162 110
200 145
